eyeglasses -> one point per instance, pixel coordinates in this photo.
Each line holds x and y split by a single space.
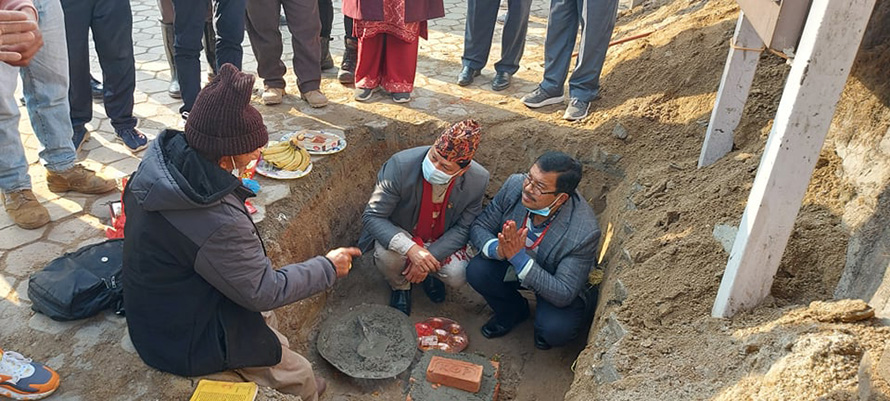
536 187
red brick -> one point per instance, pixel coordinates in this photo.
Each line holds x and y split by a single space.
454 373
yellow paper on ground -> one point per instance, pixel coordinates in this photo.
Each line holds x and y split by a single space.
212 390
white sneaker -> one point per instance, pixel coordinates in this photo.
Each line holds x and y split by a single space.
272 96
23 379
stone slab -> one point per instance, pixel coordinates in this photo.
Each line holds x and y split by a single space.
44 324
13 237
76 229
32 257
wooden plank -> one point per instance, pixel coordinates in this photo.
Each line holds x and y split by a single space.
818 74
741 64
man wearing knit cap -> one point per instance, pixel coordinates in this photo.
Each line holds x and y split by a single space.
199 289
418 218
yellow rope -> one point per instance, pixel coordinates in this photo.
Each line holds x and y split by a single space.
734 46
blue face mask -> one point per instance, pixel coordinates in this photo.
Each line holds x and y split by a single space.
545 211
433 175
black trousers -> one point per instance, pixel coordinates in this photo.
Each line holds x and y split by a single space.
111 22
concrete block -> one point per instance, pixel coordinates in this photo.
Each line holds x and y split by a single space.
44 324
15 318
64 207
30 258
76 229
449 372
725 234
423 390
13 237
6 285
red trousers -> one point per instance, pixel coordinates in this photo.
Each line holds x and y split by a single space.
385 60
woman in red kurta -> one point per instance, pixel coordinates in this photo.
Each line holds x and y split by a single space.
388 32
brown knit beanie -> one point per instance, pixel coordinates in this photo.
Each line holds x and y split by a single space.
222 122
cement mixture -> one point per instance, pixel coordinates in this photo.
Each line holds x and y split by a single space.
368 342
423 390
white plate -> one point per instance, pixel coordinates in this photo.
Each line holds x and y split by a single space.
268 170
314 150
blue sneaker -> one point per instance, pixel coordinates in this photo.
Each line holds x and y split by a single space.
133 138
23 379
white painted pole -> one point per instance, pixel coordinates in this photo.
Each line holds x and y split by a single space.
741 64
831 37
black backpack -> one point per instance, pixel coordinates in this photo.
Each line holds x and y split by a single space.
80 284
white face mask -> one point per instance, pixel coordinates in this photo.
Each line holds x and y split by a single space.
433 175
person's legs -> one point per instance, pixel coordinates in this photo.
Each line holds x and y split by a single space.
113 35
562 27
304 26
391 265
478 32
346 75
15 183
229 31
293 375
13 165
597 20
557 326
45 84
78 17
486 276
265 40
188 27
326 17
454 269
369 68
513 39
400 65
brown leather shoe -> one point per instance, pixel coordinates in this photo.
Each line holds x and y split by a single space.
315 98
25 210
320 386
78 179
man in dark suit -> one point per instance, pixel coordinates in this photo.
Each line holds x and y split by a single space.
537 233
418 218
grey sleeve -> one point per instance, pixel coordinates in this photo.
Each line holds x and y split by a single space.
232 261
487 226
458 235
383 202
562 288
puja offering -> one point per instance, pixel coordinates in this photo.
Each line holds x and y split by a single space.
442 334
284 160
319 142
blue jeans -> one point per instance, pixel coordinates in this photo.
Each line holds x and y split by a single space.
481 17
188 25
112 25
557 326
45 82
596 18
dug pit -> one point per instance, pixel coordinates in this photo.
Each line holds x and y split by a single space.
324 211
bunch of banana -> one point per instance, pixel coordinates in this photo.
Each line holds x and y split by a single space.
287 155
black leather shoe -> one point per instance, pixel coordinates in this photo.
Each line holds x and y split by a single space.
501 81
494 329
466 76
434 288
401 300
540 343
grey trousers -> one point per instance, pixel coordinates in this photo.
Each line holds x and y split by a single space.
391 264
596 19
481 18
265 38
